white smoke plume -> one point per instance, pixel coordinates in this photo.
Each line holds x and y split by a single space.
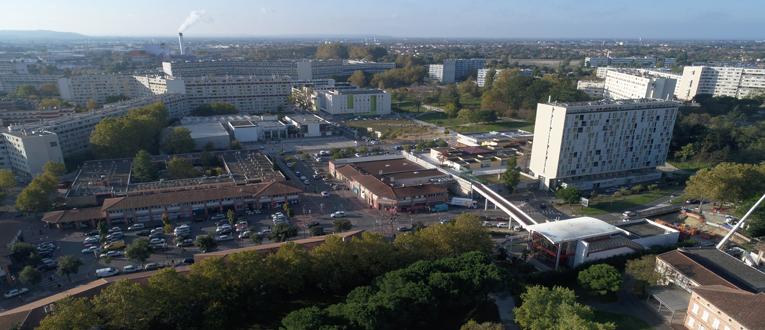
194 17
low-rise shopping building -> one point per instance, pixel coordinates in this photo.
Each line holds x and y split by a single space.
392 183
577 241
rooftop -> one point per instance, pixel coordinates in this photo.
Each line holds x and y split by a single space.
357 91
206 130
725 265
644 228
305 119
744 307
574 229
609 104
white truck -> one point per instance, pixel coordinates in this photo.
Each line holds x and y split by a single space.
463 202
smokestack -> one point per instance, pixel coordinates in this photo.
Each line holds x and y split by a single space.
180 41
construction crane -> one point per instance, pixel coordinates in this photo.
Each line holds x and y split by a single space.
727 237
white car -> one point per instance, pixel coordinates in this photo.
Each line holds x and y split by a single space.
337 214
91 250
222 238
245 234
15 292
136 226
92 240
106 272
130 269
325 193
502 225
154 241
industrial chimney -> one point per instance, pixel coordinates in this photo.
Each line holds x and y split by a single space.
180 41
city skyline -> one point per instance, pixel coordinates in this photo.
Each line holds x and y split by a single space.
484 19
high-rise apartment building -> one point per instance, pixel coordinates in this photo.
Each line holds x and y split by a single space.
592 145
735 82
294 69
453 70
352 101
637 84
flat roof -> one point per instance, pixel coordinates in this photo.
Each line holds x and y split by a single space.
306 119
727 266
574 229
205 130
642 228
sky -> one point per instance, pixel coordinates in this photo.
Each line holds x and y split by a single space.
648 19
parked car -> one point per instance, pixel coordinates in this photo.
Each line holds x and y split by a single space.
156 241
91 250
116 245
92 239
114 230
313 224
151 266
629 214
337 214
223 238
157 230
106 272
185 242
115 236
404 228
15 292
245 234
225 229
130 269
502 225
137 226
111 254
264 231
325 193
188 261
156 235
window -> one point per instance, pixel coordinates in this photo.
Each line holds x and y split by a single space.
705 316
716 324
691 321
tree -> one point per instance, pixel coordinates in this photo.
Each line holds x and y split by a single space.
139 250
91 105
512 175
316 230
231 216
68 265
143 169
7 179
727 182
178 141
570 194
282 232
358 79
333 51
308 318
600 279
215 109
23 253
205 243
643 272
545 308
36 196
756 221
287 208
473 325
71 313
29 275
124 136
180 168
342 225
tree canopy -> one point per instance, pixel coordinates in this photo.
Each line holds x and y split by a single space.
569 195
215 109
124 136
512 175
727 182
545 308
143 170
600 279
180 168
37 195
178 141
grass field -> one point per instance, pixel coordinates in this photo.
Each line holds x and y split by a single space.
396 129
622 321
611 204
458 125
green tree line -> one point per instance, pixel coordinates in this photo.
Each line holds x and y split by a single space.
254 288
121 137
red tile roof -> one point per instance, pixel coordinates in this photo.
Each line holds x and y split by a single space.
743 306
73 215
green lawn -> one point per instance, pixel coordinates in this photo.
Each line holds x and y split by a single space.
622 321
611 204
458 125
691 166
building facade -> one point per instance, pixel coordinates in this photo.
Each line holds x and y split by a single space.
598 144
453 70
352 101
593 88
634 62
25 152
295 69
735 82
633 84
